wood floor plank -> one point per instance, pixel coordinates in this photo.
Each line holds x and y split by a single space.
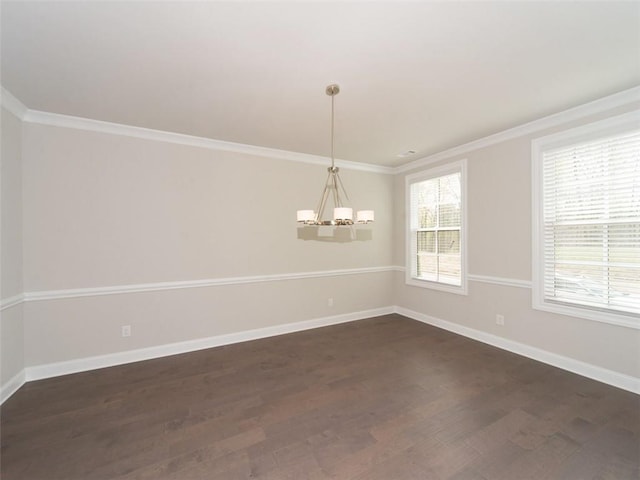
382 398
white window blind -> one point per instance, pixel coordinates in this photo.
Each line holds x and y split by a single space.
436 228
591 224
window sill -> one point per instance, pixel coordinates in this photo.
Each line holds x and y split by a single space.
619 319
443 287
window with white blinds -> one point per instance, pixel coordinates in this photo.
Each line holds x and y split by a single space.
435 237
588 225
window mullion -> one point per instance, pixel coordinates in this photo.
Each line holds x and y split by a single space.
437 230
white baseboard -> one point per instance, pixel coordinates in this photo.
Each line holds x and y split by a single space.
616 379
12 386
39 372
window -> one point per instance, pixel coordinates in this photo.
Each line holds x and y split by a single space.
436 228
587 221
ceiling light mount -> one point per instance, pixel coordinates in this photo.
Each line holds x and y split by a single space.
406 154
334 189
333 89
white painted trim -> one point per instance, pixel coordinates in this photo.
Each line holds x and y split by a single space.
11 301
12 104
507 282
12 386
610 377
39 372
210 282
67 121
159 286
597 106
585 313
503 281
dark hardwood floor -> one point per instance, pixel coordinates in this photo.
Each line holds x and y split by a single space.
379 399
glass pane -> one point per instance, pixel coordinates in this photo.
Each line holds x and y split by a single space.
427 216
623 196
449 199
582 283
624 255
583 243
575 180
427 266
449 241
624 243
426 242
424 196
450 269
623 281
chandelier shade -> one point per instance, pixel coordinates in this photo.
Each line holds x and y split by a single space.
334 190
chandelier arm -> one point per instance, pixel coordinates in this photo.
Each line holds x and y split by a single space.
343 189
337 201
323 199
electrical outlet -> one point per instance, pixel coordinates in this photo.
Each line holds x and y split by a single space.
126 330
329 302
499 319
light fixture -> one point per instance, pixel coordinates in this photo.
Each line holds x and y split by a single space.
342 215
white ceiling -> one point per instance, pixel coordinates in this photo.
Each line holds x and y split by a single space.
423 76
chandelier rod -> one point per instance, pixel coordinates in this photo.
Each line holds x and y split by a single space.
333 95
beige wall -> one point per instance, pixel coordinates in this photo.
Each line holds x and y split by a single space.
96 210
499 245
75 328
11 285
102 210
105 210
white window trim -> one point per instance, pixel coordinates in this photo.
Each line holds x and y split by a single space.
538 146
452 167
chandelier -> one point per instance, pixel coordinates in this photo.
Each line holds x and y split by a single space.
334 189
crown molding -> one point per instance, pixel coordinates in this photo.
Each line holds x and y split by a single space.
597 106
12 104
78 123
15 106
